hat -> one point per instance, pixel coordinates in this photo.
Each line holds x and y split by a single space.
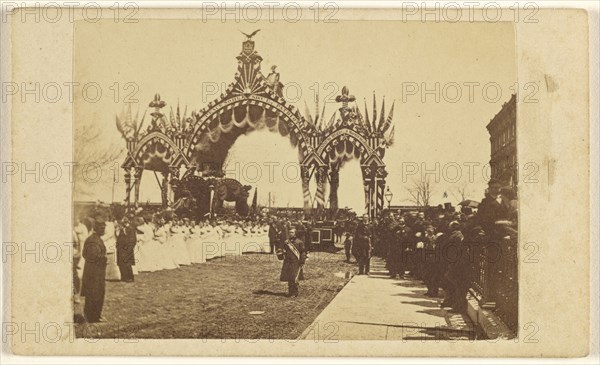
453 225
494 183
99 218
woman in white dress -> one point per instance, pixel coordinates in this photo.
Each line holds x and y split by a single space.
198 237
143 253
195 243
189 228
257 238
212 241
167 256
246 244
265 237
177 243
231 239
203 238
110 241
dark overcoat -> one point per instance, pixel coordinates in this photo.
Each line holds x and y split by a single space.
400 241
273 235
457 255
361 249
94 271
126 241
291 263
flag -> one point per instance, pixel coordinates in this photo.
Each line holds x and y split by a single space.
255 201
445 194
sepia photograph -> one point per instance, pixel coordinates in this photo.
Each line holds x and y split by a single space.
345 181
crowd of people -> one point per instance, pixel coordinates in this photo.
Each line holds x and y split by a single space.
436 246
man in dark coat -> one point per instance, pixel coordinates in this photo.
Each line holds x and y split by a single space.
347 245
126 241
456 256
389 238
403 237
493 208
294 256
361 249
94 272
273 235
429 260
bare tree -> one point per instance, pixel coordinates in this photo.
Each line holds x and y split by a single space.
421 191
461 192
89 159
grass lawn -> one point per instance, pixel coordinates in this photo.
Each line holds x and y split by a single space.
213 300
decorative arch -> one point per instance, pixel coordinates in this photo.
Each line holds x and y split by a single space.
200 141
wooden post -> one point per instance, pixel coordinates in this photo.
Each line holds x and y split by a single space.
138 179
127 185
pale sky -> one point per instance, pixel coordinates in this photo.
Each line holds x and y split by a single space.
175 58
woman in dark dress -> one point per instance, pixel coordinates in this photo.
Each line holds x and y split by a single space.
94 272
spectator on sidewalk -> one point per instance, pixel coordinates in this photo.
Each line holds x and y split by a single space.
398 249
429 259
456 256
361 249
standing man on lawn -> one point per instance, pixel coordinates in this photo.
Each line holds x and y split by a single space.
293 254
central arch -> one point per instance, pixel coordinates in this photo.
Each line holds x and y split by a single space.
219 128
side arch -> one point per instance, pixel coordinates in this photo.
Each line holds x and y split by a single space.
345 144
157 152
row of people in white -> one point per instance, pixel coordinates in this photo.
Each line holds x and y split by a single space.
164 246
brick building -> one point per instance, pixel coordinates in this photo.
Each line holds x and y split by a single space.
503 138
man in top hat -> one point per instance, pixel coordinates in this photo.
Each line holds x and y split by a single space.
293 252
94 272
126 241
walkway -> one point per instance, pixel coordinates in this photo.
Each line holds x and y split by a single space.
376 307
